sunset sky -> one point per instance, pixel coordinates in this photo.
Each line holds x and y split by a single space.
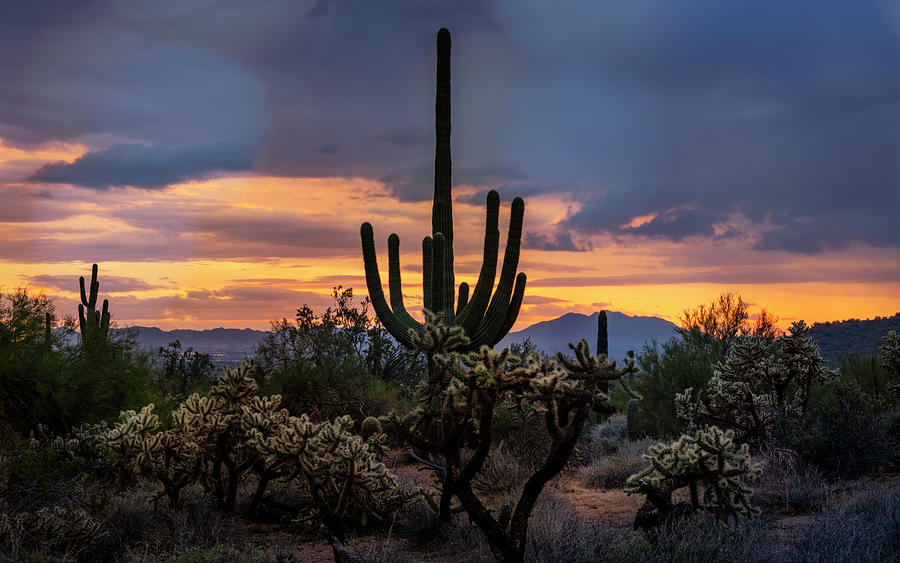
217 158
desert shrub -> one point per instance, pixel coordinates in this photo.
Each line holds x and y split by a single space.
788 483
57 530
181 372
340 362
612 470
862 529
46 381
699 538
867 373
559 535
664 370
845 433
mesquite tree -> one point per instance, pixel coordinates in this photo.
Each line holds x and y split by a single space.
485 318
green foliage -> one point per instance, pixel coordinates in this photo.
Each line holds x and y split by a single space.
664 370
57 385
709 461
846 431
183 371
760 381
486 318
336 363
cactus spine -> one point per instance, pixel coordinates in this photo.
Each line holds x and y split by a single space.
485 318
94 324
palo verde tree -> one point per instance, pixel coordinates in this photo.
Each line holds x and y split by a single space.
485 318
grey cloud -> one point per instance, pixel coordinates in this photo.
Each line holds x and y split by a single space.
676 224
559 241
148 166
768 110
110 284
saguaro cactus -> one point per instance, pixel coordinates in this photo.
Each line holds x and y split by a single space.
603 342
485 318
94 324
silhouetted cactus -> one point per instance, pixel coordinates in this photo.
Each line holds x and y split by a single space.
94 324
485 318
631 415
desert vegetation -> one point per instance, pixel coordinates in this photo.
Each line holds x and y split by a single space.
395 437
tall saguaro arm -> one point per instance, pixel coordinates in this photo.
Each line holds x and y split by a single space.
488 313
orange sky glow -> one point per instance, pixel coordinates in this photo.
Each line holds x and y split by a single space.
242 250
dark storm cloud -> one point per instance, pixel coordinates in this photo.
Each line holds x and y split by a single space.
694 112
676 224
148 166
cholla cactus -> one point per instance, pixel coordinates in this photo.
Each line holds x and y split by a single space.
456 413
759 381
710 460
171 456
216 440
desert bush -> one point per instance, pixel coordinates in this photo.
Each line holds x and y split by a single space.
862 529
613 470
845 433
788 483
340 362
664 370
699 539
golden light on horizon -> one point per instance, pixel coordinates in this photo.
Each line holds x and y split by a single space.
243 250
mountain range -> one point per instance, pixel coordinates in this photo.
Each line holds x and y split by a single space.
625 333
836 339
